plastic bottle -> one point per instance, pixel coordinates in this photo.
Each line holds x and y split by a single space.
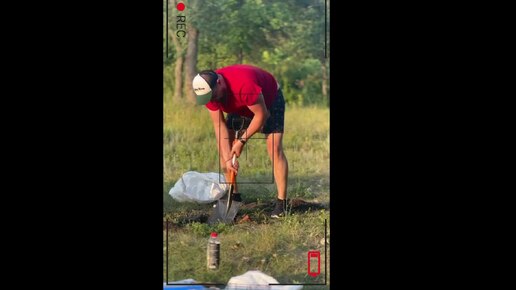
213 252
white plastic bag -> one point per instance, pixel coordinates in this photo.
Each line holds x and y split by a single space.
256 280
183 287
199 187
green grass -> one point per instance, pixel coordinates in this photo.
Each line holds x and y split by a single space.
276 247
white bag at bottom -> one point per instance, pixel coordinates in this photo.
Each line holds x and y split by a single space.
199 187
256 280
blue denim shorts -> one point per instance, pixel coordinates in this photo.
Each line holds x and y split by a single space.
274 124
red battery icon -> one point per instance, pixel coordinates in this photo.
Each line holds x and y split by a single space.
312 256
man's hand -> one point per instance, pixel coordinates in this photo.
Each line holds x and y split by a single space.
237 148
231 167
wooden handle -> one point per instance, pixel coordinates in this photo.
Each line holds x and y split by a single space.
232 176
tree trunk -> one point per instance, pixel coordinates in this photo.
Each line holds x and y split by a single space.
178 77
191 62
180 59
241 56
325 80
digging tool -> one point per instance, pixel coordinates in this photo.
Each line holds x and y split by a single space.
232 183
226 208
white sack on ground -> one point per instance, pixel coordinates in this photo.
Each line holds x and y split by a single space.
256 280
199 187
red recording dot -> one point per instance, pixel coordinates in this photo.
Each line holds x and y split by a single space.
180 6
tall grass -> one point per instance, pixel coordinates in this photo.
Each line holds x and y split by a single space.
189 144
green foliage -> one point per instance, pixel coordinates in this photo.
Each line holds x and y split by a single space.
284 37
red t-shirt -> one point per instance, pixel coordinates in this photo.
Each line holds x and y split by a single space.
244 85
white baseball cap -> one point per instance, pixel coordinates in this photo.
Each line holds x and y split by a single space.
202 89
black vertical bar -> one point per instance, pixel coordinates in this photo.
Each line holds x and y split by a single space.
166 40
166 245
325 25
272 181
220 155
325 256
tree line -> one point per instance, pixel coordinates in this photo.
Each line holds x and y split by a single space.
289 38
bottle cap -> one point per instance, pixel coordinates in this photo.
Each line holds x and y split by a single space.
214 235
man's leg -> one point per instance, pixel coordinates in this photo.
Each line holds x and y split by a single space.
273 130
280 167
